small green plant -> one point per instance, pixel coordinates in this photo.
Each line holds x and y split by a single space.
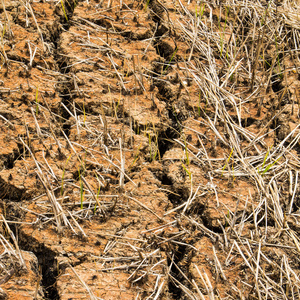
263 170
201 10
153 143
187 171
146 5
227 219
187 160
222 36
169 63
136 156
269 166
264 19
264 162
153 149
3 31
227 161
63 8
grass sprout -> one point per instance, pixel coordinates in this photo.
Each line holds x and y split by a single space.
64 11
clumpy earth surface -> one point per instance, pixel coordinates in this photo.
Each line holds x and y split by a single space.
149 149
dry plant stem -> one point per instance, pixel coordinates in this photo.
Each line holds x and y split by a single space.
159 290
93 194
114 65
57 209
160 227
11 34
10 124
104 121
38 129
18 252
198 290
76 223
112 163
206 231
186 291
294 193
145 207
219 267
91 294
28 7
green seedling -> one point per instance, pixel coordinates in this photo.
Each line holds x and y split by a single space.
263 21
136 156
264 169
201 11
147 133
3 31
187 160
63 8
145 130
75 3
3 54
265 159
187 171
222 36
63 175
153 152
227 161
146 5
169 63
227 219
269 166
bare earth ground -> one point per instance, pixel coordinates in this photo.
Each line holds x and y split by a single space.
149 150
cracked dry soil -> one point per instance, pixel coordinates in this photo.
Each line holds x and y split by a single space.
150 150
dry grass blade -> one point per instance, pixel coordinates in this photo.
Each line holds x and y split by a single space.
18 251
91 294
144 206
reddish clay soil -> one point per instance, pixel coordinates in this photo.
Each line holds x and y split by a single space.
150 149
